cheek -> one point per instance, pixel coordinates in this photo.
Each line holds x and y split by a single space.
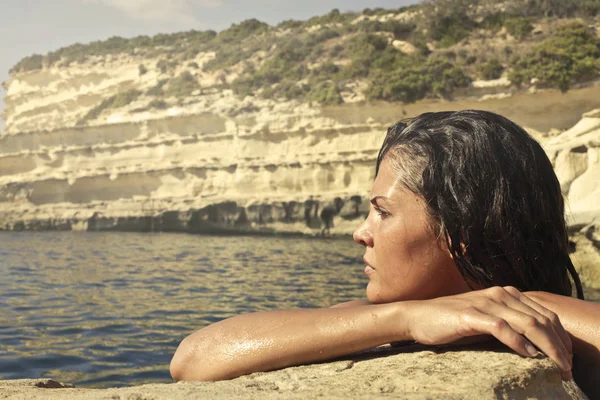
413 266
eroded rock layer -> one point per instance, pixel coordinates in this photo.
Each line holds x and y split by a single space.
410 374
235 165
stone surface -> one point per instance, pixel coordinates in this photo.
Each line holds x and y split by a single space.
408 373
576 157
586 255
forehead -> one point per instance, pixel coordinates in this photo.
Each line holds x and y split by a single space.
387 181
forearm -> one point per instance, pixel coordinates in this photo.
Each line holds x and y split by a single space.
581 320
271 340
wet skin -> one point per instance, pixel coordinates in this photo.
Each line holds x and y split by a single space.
405 258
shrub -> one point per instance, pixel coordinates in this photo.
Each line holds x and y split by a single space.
544 8
158 104
326 93
238 32
124 98
30 63
333 17
518 27
289 24
399 29
286 66
117 101
448 21
491 69
320 36
116 45
157 90
590 8
416 80
183 85
493 22
165 65
364 49
572 55
336 50
142 69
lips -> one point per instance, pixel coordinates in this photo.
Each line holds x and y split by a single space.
368 268
368 264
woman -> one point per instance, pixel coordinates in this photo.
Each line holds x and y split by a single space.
465 237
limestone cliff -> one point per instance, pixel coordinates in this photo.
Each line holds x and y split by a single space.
205 132
413 373
116 135
225 163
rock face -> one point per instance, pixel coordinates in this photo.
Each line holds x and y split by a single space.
217 163
575 155
576 158
412 373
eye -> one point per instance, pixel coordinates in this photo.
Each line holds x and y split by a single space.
381 212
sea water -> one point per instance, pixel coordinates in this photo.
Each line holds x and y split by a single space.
109 309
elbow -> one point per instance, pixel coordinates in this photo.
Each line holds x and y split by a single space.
180 360
189 363
186 365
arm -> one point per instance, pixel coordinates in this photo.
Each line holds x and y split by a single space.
581 319
271 340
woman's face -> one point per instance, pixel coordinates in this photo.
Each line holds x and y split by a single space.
404 259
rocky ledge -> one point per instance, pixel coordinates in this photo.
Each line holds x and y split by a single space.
412 372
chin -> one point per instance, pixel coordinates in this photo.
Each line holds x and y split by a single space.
375 296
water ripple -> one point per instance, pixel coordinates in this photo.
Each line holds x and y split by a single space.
109 309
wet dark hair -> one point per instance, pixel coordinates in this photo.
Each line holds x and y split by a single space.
492 193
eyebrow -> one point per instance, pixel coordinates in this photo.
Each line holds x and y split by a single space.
374 199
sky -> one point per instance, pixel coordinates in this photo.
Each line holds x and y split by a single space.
40 26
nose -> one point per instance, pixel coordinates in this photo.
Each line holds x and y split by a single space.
362 235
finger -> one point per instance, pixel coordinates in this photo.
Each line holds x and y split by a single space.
512 298
478 322
483 323
528 324
551 319
558 327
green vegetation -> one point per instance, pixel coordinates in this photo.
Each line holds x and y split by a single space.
182 85
554 8
157 90
159 104
117 101
244 29
117 45
518 27
319 59
571 55
165 66
491 69
448 21
142 69
326 93
436 76
333 17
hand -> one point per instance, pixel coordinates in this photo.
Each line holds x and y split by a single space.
505 313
